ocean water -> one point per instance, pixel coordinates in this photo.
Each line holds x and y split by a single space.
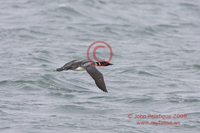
156 71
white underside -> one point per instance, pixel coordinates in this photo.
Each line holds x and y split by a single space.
79 69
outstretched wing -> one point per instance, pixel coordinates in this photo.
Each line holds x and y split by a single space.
70 65
97 76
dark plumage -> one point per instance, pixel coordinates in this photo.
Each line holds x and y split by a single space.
79 65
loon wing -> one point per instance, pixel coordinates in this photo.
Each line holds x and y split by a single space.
96 75
69 65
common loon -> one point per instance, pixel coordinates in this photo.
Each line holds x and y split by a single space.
79 65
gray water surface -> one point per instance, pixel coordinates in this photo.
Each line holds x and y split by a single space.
156 57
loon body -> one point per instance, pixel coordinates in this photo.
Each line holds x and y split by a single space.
80 65
79 69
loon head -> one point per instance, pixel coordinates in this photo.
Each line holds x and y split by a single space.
103 63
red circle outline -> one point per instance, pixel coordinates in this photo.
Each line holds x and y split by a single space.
130 116
88 50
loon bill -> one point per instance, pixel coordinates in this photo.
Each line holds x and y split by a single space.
78 65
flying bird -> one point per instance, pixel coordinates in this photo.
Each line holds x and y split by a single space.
79 65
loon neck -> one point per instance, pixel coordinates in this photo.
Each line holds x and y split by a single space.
103 63
98 63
